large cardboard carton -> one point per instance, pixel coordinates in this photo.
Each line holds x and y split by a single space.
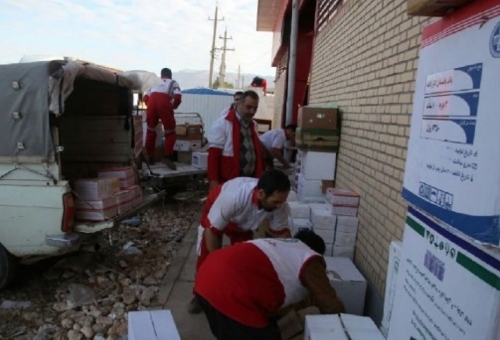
448 287
317 118
348 282
434 8
453 159
189 132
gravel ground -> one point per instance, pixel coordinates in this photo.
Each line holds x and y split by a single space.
87 295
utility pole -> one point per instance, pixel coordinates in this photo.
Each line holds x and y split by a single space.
238 86
222 73
212 52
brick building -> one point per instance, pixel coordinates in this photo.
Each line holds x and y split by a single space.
364 56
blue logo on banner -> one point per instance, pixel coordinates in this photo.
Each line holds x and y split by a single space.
495 41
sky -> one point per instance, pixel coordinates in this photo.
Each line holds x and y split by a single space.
135 34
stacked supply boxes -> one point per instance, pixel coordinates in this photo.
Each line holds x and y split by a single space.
189 139
341 327
344 205
323 223
95 198
317 139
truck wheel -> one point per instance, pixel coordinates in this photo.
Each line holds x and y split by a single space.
7 267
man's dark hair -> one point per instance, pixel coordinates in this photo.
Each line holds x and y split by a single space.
273 181
312 240
166 73
249 93
257 81
291 127
238 93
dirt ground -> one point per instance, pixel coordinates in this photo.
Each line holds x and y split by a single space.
87 295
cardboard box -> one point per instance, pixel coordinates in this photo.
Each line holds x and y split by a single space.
200 160
152 325
314 139
342 196
434 8
327 235
344 210
323 219
309 166
299 210
317 118
448 286
290 325
189 132
341 251
348 282
184 157
105 203
187 145
325 184
96 188
96 215
347 224
347 240
395 250
341 327
124 201
452 162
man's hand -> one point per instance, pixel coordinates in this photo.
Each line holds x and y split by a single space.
213 240
212 184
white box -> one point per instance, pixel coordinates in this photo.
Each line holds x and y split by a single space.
341 251
152 325
452 166
200 160
323 206
318 165
299 210
323 219
340 327
395 249
347 224
187 145
327 235
345 239
342 196
101 204
344 210
348 282
448 285
309 187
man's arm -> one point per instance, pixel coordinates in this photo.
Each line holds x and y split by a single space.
315 279
217 140
278 222
213 240
222 211
276 153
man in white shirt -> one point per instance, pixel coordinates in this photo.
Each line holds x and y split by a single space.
274 143
236 100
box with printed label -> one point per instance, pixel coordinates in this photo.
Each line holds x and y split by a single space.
342 196
323 219
345 239
96 188
318 165
448 286
200 160
348 282
452 162
187 145
344 210
125 174
347 224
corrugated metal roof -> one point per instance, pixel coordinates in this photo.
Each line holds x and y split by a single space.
206 91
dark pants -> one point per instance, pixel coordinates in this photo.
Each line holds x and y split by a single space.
224 328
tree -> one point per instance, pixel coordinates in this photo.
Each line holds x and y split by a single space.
216 84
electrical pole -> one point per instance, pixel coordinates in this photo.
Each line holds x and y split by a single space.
238 86
212 52
222 73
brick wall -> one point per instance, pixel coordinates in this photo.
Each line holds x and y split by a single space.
365 61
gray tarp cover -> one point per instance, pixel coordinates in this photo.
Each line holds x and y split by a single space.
43 87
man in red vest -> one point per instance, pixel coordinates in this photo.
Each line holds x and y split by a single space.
235 149
161 101
239 287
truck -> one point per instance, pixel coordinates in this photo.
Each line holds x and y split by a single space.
60 121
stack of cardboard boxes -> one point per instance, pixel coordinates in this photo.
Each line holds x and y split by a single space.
317 139
189 139
112 193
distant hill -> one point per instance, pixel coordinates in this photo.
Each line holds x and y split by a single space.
194 78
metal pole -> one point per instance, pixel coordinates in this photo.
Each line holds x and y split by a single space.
292 62
212 52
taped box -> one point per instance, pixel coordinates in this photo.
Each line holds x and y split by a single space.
136 195
96 215
152 325
338 196
124 201
344 210
125 174
341 327
347 224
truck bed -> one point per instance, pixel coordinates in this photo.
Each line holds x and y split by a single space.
162 171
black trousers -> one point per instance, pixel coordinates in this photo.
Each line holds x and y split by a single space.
224 328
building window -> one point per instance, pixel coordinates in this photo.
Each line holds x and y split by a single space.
327 9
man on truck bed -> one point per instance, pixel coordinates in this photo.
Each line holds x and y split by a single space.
161 101
238 207
240 287
234 146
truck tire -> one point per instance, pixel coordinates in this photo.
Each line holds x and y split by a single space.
7 267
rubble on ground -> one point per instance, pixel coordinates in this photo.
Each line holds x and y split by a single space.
87 295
